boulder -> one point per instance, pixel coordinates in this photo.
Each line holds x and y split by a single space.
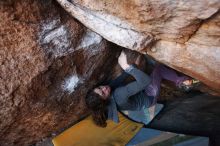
181 34
190 114
48 62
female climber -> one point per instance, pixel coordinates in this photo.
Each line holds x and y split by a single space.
105 101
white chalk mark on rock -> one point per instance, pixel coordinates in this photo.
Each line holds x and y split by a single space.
58 37
90 38
50 25
71 83
55 37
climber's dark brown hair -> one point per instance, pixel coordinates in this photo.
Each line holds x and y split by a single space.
98 107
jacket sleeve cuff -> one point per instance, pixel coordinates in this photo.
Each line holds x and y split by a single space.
131 67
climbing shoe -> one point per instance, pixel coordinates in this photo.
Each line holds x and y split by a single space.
195 83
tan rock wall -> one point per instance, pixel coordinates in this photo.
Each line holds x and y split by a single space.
181 34
198 57
170 20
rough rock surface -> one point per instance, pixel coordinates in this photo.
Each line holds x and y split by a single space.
181 34
48 61
194 115
199 57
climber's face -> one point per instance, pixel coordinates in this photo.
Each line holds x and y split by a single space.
103 91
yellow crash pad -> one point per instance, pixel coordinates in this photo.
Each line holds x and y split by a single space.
86 133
